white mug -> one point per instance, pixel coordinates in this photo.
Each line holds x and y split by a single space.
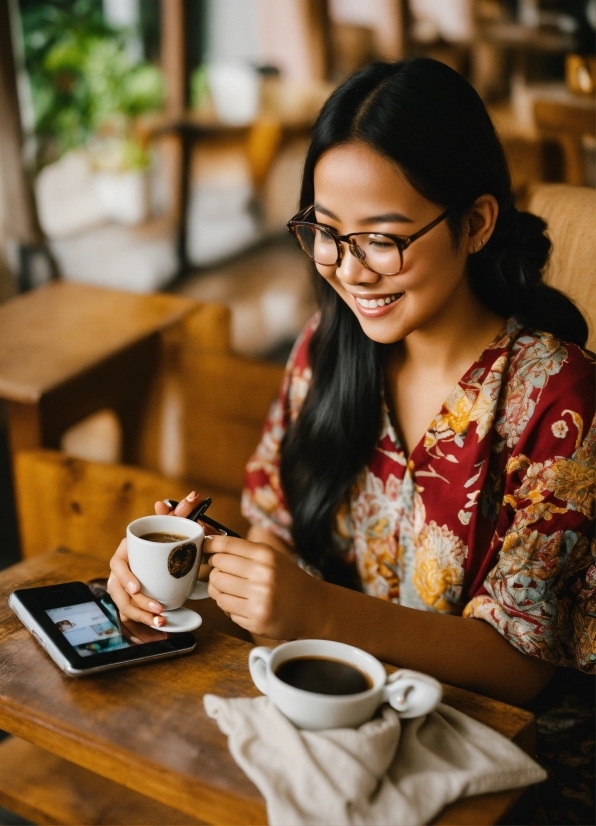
410 693
167 571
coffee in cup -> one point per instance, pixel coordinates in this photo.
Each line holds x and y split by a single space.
157 536
323 675
319 684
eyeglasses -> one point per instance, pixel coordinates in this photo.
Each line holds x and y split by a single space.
379 252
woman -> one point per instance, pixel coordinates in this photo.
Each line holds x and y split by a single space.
428 463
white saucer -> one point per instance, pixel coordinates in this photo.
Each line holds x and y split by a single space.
182 619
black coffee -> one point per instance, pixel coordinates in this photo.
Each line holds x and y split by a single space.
323 676
163 537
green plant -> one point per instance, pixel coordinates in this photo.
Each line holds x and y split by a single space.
83 80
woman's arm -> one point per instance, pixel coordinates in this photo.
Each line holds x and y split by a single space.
464 652
266 593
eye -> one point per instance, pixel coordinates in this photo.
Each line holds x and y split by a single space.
323 237
380 242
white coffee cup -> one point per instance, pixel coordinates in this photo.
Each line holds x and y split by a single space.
167 571
410 693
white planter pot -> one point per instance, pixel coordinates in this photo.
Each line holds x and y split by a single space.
124 195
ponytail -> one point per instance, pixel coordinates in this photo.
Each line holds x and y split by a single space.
507 276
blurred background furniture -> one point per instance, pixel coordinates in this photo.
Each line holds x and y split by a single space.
570 119
183 412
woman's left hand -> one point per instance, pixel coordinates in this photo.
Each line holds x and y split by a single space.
262 589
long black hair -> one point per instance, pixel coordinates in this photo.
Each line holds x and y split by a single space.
430 121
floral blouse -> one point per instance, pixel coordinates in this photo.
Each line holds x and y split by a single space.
491 515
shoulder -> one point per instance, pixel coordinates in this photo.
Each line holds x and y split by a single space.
545 351
541 362
546 378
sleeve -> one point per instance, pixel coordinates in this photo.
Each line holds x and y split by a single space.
541 594
263 501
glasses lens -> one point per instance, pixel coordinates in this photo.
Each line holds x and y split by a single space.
379 252
317 244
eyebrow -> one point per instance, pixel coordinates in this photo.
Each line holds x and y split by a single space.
386 218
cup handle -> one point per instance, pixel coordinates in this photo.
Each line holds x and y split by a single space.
412 694
258 660
199 591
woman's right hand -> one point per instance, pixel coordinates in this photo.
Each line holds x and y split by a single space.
124 587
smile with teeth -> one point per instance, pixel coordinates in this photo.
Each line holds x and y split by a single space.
378 302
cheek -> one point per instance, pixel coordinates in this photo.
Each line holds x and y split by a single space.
326 272
433 276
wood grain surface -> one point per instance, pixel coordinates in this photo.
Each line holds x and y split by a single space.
45 788
54 333
86 506
146 728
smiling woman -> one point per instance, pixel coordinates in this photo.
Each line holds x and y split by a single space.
430 459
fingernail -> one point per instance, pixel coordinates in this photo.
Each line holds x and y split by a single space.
192 496
155 607
158 621
132 588
211 536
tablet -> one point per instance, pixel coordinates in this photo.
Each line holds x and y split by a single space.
79 627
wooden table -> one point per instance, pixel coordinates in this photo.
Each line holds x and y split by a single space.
67 350
145 728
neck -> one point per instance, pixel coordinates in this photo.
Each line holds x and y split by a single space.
454 338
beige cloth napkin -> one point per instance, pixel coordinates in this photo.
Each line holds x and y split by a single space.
388 771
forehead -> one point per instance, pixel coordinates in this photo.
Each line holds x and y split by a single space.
357 177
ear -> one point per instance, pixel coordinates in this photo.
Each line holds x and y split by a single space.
482 219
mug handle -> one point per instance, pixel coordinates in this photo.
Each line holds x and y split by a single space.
199 591
411 693
258 660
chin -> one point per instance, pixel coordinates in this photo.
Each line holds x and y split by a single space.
383 331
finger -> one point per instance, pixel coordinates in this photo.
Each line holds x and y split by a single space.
120 569
229 584
146 603
128 582
127 607
230 545
161 509
234 605
187 505
243 622
239 566
209 529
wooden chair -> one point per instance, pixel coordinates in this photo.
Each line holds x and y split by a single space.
568 121
570 212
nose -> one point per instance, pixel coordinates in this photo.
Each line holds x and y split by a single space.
351 270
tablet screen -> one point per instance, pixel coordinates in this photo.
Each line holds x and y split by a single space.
90 631
87 628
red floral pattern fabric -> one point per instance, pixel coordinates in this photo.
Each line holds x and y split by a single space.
491 515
